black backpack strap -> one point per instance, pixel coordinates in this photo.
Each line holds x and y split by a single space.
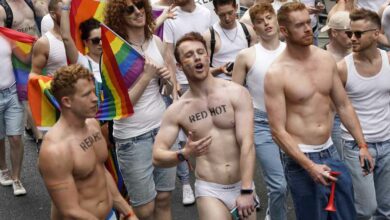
9 16
212 44
247 35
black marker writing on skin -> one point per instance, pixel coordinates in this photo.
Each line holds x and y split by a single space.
90 140
213 111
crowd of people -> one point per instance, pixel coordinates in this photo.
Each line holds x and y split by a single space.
223 85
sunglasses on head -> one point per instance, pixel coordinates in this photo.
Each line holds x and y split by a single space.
95 40
131 8
358 34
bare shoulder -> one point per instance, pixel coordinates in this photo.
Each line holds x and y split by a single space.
235 90
93 123
342 65
323 55
158 42
246 53
41 44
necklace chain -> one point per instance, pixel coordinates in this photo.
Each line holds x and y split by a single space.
140 45
227 36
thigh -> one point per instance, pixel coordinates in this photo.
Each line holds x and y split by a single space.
135 163
211 208
13 116
364 189
382 180
2 122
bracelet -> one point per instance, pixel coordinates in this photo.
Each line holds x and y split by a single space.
246 191
363 145
65 7
129 214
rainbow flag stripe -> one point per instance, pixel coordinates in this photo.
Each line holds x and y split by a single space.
80 11
22 44
44 107
120 66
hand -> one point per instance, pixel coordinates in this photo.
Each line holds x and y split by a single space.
245 205
150 68
226 69
365 154
320 6
164 73
196 148
169 13
320 174
313 10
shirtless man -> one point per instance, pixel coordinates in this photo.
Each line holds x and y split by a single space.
299 88
220 135
73 153
23 17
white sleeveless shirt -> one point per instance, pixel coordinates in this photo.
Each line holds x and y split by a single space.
370 96
150 107
6 70
232 41
256 74
57 54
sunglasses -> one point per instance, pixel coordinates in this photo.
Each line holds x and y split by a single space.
95 40
358 34
131 8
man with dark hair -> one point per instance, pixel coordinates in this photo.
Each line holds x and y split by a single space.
226 38
365 75
250 68
299 88
220 135
73 153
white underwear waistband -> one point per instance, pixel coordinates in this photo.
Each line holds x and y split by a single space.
306 148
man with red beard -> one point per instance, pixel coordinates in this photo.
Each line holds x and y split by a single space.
299 88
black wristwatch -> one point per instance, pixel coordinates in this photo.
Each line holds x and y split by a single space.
246 191
180 155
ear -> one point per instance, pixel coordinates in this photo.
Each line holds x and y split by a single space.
283 31
66 101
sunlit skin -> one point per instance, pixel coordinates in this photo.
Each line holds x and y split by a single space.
342 39
366 40
137 18
266 25
227 15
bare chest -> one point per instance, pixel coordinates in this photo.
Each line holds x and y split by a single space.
305 83
23 18
203 116
88 151
369 70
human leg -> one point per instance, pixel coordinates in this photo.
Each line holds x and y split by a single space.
211 208
267 153
382 180
135 162
364 187
162 210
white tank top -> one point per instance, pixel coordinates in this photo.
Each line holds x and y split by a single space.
256 74
57 54
6 70
370 96
230 46
150 107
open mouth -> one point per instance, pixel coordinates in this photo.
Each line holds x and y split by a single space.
199 67
268 29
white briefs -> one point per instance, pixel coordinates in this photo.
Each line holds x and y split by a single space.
306 148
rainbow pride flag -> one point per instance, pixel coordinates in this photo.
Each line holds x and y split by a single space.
22 44
120 67
80 11
44 107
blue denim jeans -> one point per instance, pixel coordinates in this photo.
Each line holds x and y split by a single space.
311 198
141 178
268 154
336 135
11 113
372 192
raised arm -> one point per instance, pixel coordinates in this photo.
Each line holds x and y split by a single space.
275 102
168 13
70 47
56 167
348 117
39 57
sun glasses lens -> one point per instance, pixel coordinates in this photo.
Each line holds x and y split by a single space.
358 34
130 9
140 4
95 40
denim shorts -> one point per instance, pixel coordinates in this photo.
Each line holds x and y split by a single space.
11 113
311 198
141 178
